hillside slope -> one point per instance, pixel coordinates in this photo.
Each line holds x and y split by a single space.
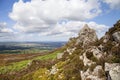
82 58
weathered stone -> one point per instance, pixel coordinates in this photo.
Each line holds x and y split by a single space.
96 52
70 50
113 70
106 38
60 55
86 36
86 61
54 70
116 36
115 73
93 75
110 66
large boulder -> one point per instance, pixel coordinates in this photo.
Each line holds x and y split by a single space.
115 73
96 74
113 70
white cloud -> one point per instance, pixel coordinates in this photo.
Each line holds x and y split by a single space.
114 4
72 28
61 32
41 15
54 19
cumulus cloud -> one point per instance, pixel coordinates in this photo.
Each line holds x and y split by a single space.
41 15
72 28
114 4
54 18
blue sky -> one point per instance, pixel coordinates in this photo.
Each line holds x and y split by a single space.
48 20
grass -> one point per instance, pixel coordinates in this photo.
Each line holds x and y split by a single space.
22 64
26 51
49 56
14 67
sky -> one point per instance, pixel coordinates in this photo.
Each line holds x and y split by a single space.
54 20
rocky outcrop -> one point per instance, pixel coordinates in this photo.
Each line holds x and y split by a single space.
86 36
110 66
96 74
113 71
87 59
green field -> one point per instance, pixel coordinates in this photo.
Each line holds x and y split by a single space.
16 66
26 51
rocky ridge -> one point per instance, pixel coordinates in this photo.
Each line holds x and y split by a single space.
83 58
101 58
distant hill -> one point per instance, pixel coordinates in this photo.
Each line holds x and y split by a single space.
27 45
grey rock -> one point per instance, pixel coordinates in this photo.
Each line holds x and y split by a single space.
113 70
106 38
110 66
116 36
95 75
115 73
60 55
54 70
86 36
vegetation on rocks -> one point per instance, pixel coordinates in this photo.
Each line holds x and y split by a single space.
79 61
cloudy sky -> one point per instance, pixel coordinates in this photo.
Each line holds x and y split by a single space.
54 20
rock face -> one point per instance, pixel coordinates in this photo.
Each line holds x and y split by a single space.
113 70
106 38
116 36
86 36
115 73
96 74
87 58
87 62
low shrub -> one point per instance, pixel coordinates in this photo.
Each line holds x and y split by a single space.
92 67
